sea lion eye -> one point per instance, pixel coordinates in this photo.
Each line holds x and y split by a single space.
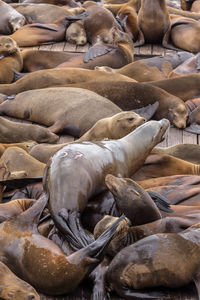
130 119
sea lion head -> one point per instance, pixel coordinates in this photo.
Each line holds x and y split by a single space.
8 46
179 115
17 22
76 34
105 69
121 232
123 123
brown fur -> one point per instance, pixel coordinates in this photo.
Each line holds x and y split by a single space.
76 34
27 146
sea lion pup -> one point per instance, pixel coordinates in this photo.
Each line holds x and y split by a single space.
188 152
15 159
158 165
115 157
114 127
76 33
154 67
148 264
12 287
185 34
68 271
191 65
38 34
11 20
35 13
27 146
63 106
58 77
134 95
12 59
15 132
186 86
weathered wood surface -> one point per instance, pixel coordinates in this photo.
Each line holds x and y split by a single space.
174 136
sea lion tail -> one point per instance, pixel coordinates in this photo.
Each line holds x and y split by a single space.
98 247
141 294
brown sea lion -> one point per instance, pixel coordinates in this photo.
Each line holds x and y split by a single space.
63 106
15 132
133 95
76 33
69 3
191 65
127 17
115 157
27 146
153 22
15 159
114 127
185 86
58 77
37 34
188 152
46 255
11 20
36 13
12 59
158 165
168 260
149 69
195 6
12 287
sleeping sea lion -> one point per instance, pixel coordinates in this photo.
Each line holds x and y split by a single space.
27 146
76 33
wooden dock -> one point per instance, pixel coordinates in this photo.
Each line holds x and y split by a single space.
173 137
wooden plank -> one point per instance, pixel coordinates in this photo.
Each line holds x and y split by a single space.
26 48
58 46
46 47
189 138
175 136
82 49
157 50
136 50
146 49
168 51
69 47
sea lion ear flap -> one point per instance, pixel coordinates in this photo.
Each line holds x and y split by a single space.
96 50
148 111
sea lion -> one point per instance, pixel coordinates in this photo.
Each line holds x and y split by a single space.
127 17
158 165
195 6
58 77
188 152
76 34
12 287
37 34
27 146
11 20
149 69
15 132
169 260
30 191
12 59
46 255
69 3
63 107
153 22
114 127
15 159
133 95
115 157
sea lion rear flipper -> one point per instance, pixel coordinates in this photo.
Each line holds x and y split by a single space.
161 202
44 26
193 128
148 111
18 75
141 294
96 50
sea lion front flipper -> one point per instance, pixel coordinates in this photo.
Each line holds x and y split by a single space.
44 26
193 128
141 294
148 111
72 130
161 202
18 75
97 50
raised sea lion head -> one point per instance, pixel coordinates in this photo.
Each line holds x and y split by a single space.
8 46
17 22
179 115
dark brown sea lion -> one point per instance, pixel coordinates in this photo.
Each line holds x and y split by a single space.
27 146
58 77
69 3
15 132
15 159
115 157
155 67
76 33
191 65
63 106
169 260
46 255
12 287
114 127
185 86
11 20
158 165
153 22
12 59
133 95
188 152
37 34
